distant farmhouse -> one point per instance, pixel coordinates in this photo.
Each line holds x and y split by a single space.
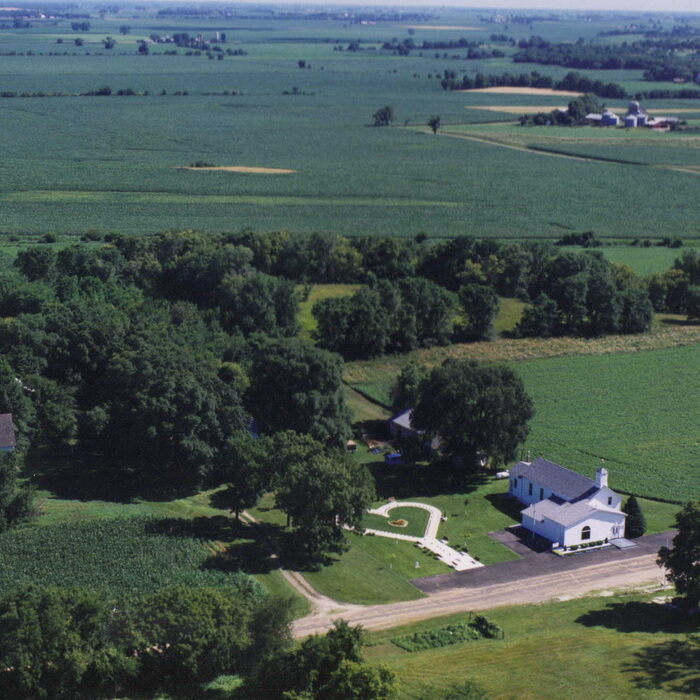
566 508
401 426
635 117
7 433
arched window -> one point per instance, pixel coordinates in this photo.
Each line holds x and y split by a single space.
586 532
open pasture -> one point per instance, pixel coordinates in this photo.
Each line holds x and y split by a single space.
116 163
622 647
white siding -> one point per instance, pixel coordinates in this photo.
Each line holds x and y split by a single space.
602 527
527 491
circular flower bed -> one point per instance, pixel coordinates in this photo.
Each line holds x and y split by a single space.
399 523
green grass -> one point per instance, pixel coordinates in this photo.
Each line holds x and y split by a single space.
275 584
510 312
644 261
585 649
375 570
471 516
416 519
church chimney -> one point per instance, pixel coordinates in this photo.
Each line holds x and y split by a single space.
601 478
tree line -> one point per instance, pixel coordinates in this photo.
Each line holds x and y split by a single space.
76 644
660 59
571 81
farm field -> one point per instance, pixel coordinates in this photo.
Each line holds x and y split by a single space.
120 556
118 163
626 639
136 546
601 407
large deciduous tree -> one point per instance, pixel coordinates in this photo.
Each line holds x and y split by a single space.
682 561
327 668
479 305
296 386
321 492
477 410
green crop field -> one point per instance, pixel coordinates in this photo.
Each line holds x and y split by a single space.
114 163
585 649
119 556
636 413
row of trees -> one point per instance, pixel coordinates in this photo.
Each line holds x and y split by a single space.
574 115
72 644
402 316
661 59
571 81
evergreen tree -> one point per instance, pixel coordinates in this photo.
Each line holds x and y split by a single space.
636 525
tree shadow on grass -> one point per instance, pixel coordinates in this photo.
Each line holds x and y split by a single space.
80 477
679 322
671 666
236 546
506 504
637 616
403 481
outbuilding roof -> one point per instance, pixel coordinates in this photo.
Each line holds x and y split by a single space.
561 481
403 419
7 431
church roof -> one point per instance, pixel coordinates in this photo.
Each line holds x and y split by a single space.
563 482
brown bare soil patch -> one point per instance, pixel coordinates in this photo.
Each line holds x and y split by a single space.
511 90
514 109
442 27
243 169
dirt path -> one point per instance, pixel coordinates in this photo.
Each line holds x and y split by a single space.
629 573
320 604
553 154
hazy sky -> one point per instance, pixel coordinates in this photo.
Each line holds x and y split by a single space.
618 5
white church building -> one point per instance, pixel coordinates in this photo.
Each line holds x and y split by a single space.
566 508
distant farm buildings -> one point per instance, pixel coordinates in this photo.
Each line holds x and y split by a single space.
635 117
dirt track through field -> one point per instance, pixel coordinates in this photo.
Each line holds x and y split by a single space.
630 573
554 154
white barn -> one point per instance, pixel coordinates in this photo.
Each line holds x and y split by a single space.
564 507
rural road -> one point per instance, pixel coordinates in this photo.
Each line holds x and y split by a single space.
630 572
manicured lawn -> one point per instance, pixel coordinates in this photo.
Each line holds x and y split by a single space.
471 516
375 570
586 649
416 518
276 585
